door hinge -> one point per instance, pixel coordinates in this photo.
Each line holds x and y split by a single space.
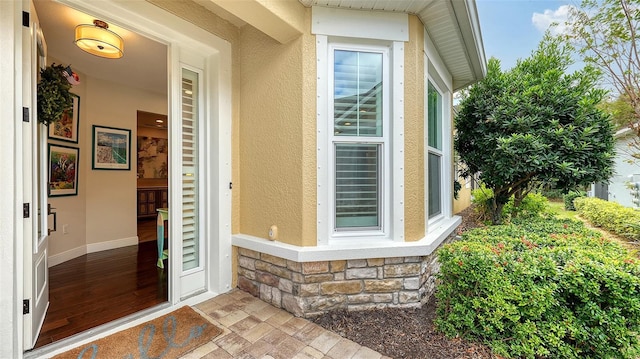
25 114
230 185
25 306
25 210
25 19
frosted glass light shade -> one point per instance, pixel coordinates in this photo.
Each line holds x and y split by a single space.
98 40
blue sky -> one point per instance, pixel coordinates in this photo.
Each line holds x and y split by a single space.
512 29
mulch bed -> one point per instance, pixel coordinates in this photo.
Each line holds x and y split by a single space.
405 333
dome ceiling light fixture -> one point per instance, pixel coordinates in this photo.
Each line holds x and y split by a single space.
98 40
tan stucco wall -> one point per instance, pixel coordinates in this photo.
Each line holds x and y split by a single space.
276 122
309 143
414 192
200 16
464 198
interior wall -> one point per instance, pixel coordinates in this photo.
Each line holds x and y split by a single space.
111 195
103 214
71 210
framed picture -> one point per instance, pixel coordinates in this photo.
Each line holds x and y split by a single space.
111 148
66 129
63 170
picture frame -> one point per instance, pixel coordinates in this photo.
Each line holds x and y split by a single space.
63 170
66 129
111 148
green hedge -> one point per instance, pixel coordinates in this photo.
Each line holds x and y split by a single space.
541 289
613 217
570 197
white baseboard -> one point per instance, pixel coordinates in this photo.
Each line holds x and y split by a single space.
65 256
116 243
91 248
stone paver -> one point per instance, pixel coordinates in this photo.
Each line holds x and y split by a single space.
254 329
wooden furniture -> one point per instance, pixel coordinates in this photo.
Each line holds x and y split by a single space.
150 199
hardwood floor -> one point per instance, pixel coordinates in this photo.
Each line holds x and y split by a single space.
97 288
147 230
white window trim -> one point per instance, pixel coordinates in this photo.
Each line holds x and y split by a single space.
432 77
393 183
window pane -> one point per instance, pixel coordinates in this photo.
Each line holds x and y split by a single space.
357 185
434 117
435 202
357 93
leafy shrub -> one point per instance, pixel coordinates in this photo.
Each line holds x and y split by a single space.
541 289
613 217
570 197
532 205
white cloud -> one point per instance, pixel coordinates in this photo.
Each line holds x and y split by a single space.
554 20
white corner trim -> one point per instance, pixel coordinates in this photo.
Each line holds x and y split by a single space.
322 139
381 249
397 142
362 24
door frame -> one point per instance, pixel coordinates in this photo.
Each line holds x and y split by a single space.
151 21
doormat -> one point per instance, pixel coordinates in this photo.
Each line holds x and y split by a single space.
169 336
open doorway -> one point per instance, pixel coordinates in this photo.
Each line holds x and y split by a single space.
98 269
152 172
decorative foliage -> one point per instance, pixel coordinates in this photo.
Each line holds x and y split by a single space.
611 216
54 98
541 289
535 125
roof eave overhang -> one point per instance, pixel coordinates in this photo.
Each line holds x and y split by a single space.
454 29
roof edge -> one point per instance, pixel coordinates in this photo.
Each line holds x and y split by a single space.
466 14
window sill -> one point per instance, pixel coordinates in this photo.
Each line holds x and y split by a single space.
381 249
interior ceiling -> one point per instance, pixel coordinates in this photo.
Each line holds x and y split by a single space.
142 65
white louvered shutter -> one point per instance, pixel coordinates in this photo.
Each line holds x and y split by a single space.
190 225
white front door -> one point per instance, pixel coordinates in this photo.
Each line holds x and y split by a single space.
36 211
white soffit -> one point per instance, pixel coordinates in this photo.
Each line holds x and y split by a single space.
453 26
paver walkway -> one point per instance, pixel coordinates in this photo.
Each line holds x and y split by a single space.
254 329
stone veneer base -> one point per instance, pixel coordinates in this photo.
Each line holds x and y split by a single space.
311 288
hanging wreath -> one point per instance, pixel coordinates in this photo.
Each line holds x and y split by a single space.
54 98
